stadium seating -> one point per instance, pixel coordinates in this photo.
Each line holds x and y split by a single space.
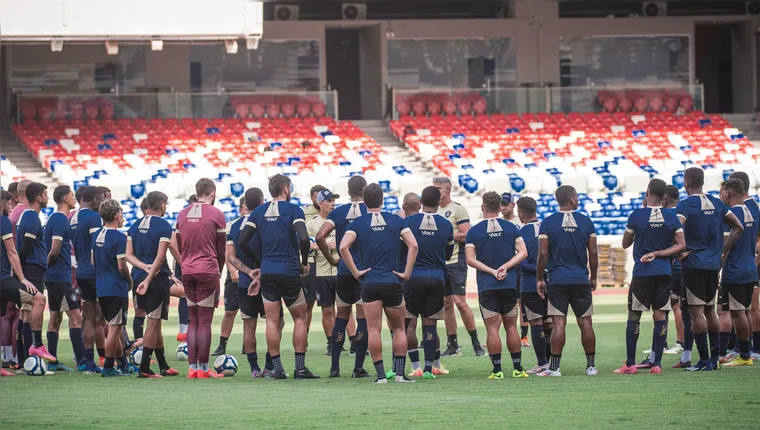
8 172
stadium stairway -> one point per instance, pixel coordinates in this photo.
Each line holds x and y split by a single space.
747 123
17 153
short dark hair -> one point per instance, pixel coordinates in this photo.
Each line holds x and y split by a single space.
694 176
192 199
60 192
356 185
672 192
104 190
431 197
5 196
109 209
254 198
527 205
34 190
241 201
315 189
735 185
278 184
13 188
155 199
373 195
204 187
79 193
144 205
656 188
90 194
742 176
491 201
565 194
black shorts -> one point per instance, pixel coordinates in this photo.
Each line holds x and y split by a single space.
35 274
310 290
424 297
456 279
390 294
649 292
250 306
534 307
231 301
495 303
577 296
699 286
114 309
326 286
347 291
155 302
676 286
736 297
13 291
281 287
87 289
62 296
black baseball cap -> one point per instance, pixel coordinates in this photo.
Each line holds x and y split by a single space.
506 198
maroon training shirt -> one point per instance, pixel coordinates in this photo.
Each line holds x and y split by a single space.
201 236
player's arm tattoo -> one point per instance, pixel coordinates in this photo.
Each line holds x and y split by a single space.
55 251
235 262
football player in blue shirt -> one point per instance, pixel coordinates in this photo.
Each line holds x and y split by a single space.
113 283
567 247
534 307
282 233
495 249
32 252
425 289
347 289
376 235
656 235
739 275
703 217
63 297
83 224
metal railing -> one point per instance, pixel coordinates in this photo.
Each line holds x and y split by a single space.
165 105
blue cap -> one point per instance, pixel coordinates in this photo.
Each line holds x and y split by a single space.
506 198
326 195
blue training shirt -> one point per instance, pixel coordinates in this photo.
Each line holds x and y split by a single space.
108 247
703 220
494 240
433 233
83 224
57 228
6 232
29 225
342 217
146 234
378 243
232 238
740 265
529 234
654 229
568 234
274 223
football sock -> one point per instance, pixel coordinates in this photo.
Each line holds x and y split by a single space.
28 337
223 341
496 362
517 360
203 334
145 362
399 364
268 364
731 344
182 310
193 366
685 356
524 331
437 361
631 338
75 334
554 362
109 363
702 347
160 357
7 353
743 348
20 352
329 340
379 369
338 339
590 357
756 341
101 352
661 335
414 357
253 361
430 340
203 367
89 357
36 338
300 361
539 343
474 337
52 338
137 327
722 344
714 346
688 334
548 337
452 341
192 335
277 364
362 342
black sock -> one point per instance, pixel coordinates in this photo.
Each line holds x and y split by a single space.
75 334
52 338
145 362
523 331
429 341
517 360
300 361
277 364
253 361
731 344
452 341
661 335
161 358
362 343
631 338
268 364
756 341
714 346
702 347
722 344
138 324
414 355
496 362
19 334
590 356
539 343
101 352
379 369
223 341
474 337
329 340
122 361
688 333
338 339
28 338
743 348
554 361
37 338
399 364
548 337
89 357
109 363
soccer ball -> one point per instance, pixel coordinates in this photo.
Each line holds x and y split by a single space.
135 357
226 365
35 366
182 351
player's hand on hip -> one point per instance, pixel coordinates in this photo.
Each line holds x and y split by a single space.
142 288
176 281
305 269
29 287
334 262
402 276
647 258
592 283
254 287
541 289
360 274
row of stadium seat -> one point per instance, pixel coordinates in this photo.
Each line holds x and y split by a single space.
432 103
277 106
645 100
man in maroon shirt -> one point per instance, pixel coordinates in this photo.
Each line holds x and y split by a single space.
202 241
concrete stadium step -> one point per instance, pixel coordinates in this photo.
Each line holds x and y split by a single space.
378 131
747 123
16 152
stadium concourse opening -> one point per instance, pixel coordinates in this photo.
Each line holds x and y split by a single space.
440 169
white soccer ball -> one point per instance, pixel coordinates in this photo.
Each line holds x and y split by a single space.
226 365
182 351
35 366
135 357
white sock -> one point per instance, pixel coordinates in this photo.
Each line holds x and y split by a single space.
651 356
686 356
7 353
437 363
416 365
193 366
182 328
203 367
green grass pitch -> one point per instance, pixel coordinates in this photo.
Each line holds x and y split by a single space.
729 398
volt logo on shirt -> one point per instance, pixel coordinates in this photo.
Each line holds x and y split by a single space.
273 212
